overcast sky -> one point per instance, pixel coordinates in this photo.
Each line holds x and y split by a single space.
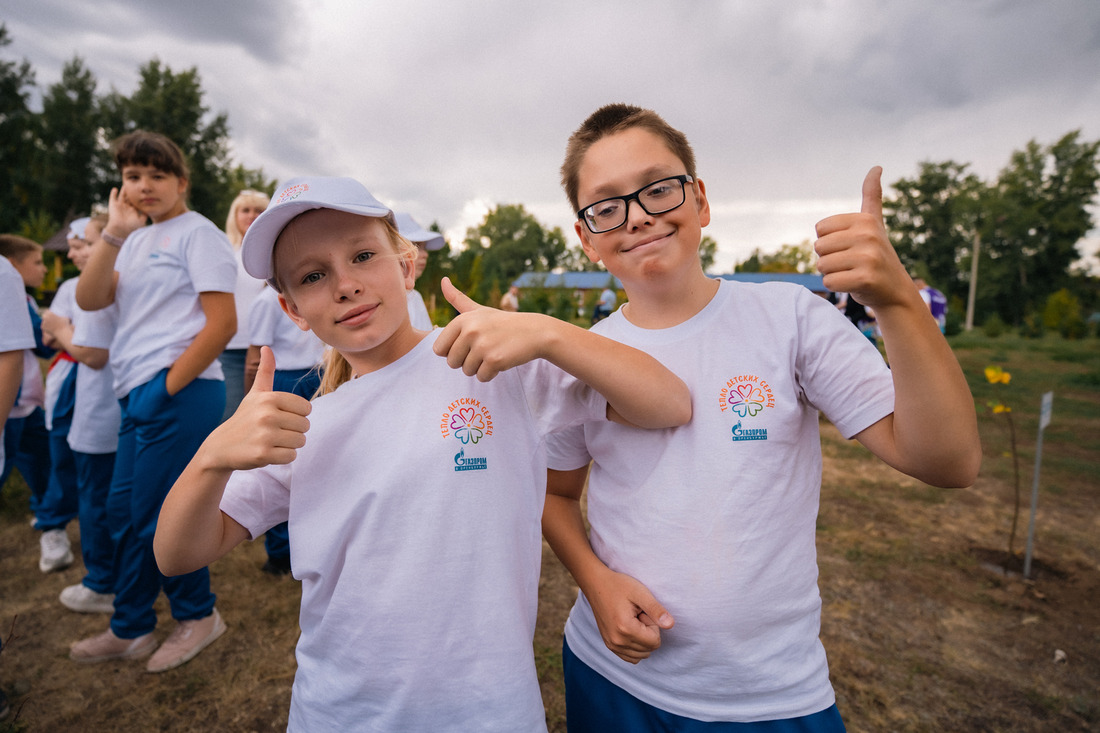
446 109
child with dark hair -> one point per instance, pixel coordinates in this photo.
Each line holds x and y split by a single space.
173 281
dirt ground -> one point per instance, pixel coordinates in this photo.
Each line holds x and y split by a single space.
924 628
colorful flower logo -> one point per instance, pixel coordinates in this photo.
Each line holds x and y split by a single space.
292 193
746 399
468 425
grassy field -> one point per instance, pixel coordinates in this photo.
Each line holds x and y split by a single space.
928 624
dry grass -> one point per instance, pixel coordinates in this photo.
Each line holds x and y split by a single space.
924 633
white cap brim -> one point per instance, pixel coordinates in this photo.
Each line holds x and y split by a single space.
298 196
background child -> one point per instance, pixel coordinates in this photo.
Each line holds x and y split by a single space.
93 433
242 212
173 282
298 355
59 504
425 241
26 440
699 603
16 336
414 503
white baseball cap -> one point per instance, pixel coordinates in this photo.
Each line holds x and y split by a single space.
295 197
77 226
417 234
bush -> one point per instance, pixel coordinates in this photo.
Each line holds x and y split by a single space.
993 326
1074 328
1062 309
1032 327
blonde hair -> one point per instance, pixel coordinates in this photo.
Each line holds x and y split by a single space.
248 196
335 369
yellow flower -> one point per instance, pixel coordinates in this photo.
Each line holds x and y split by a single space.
997 409
995 375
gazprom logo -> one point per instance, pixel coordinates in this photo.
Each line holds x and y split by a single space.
740 433
474 463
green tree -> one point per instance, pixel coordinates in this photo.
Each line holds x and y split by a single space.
1038 212
789 258
708 249
69 161
17 133
932 221
509 242
172 104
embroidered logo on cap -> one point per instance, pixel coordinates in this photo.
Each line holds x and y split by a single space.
291 193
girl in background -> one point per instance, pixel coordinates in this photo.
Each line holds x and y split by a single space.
242 212
173 281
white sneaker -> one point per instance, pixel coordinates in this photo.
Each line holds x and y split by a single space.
57 552
82 599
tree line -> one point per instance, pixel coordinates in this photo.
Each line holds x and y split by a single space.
1024 225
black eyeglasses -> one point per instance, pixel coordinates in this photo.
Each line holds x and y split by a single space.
658 197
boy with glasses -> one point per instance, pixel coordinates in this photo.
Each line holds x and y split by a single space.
699 606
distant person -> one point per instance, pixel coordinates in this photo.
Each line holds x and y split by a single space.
173 281
93 434
425 241
605 305
400 520
935 300
510 300
16 336
699 605
242 212
26 440
60 502
858 315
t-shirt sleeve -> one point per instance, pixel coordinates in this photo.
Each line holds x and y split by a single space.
557 399
16 332
262 321
839 370
211 264
258 499
95 328
566 449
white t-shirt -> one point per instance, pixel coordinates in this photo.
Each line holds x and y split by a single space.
96 415
16 332
268 325
64 304
717 517
162 268
414 512
247 289
418 312
32 393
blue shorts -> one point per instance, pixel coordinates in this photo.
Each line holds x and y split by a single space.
595 705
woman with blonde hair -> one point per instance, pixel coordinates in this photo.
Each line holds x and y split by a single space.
242 212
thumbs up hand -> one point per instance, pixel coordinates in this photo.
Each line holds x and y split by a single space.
855 254
267 428
485 341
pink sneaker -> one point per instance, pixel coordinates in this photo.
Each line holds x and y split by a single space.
189 638
106 646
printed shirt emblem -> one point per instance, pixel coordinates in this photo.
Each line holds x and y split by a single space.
747 396
469 422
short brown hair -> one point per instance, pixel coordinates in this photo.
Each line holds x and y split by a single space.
612 118
15 247
149 148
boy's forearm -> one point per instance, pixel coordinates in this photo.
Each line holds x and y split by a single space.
563 528
934 426
637 387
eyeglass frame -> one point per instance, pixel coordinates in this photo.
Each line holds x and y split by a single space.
684 179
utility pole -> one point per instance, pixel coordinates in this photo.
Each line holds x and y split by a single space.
973 281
